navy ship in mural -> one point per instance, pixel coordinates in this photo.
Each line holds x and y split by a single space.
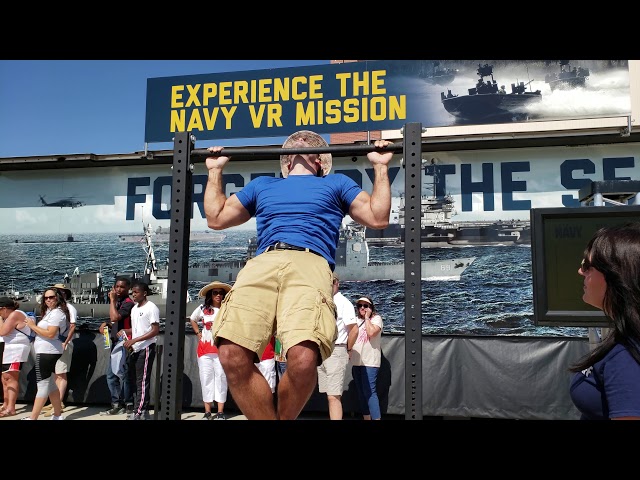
438 230
437 75
69 239
90 289
486 102
353 263
162 235
567 77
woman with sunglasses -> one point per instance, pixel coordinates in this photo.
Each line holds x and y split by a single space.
48 349
606 382
364 347
213 381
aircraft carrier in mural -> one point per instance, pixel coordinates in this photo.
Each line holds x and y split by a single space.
353 262
437 229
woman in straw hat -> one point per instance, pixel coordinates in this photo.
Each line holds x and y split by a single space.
212 378
298 220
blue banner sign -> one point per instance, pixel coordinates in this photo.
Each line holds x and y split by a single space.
383 95
334 98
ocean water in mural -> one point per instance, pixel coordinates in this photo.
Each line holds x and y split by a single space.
492 297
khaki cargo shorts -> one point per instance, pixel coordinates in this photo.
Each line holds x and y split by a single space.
285 292
332 372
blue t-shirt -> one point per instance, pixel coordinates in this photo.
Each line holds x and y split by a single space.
302 210
608 389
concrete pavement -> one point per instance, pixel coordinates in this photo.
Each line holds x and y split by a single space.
82 412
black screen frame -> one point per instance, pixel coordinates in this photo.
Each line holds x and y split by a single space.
547 252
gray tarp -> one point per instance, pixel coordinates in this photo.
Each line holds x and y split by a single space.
478 377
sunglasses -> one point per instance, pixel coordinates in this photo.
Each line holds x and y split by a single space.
52 297
218 292
362 305
585 265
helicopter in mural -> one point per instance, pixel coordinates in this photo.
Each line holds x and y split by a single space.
63 202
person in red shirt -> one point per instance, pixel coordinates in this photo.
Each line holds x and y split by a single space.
267 364
213 380
120 387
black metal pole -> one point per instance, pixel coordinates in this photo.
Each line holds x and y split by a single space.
156 396
412 272
177 288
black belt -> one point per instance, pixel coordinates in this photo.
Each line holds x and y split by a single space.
341 345
286 246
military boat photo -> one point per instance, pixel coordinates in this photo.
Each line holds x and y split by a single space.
437 75
486 102
567 77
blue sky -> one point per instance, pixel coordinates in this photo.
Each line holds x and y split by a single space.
51 107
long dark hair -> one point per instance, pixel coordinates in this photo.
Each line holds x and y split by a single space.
62 303
615 252
208 299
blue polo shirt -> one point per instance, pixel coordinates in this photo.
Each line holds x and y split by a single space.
302 210
608 389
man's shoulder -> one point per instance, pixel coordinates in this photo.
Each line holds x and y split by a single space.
342 298
125 304
343 302
264 179
73 313
339 178
151 306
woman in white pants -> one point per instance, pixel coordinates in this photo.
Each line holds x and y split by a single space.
212 378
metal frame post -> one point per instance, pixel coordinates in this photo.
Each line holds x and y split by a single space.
177 288
413 271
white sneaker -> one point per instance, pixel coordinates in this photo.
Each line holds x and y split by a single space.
53 417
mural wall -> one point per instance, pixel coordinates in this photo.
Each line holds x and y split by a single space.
475 234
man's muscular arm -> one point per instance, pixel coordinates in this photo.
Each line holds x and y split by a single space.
221 212
373 210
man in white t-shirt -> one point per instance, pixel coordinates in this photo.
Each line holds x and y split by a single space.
141 342
332 371
63 363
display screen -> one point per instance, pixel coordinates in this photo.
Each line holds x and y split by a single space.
559 238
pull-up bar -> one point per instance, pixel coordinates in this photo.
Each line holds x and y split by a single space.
277 151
